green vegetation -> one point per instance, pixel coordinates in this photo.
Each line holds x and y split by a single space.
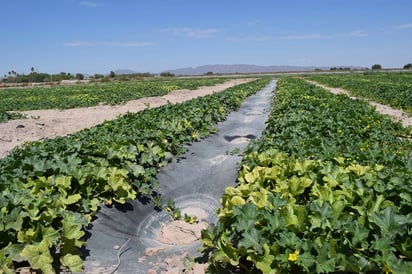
7 115
52 189
376 67
64 97
39 77
167 74
326 189
393 89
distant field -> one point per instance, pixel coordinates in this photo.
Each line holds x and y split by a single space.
393 89
65 97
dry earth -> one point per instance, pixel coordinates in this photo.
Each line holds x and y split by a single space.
397 115
44 124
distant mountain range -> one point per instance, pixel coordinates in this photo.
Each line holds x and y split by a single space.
124 71
239 68
232 69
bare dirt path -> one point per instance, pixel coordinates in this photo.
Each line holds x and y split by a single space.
396 114
52 123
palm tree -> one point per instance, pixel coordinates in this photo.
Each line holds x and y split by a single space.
15 75
33 74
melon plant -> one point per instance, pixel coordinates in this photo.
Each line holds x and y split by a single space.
51 190
326 189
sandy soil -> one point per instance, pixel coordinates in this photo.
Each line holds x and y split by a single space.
178 233
397 115
51 123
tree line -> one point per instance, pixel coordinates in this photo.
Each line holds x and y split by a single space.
39 77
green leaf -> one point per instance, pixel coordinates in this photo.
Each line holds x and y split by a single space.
320 215
245 217
324 264
39 256
290 217
13 252
251 239
251 177
358 169
14 219
263 263
275 220
226 251
136 170
71 199
49 234
386 221
377 204
259 198
73 262
71 231
237 201
207 236
63 182
26 236
72 226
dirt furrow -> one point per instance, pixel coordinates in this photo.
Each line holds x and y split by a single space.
44 124
396 114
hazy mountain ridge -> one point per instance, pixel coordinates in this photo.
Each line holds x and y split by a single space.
232 69
238 68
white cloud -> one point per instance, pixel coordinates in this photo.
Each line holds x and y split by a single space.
253 23
404 26
107 44
90 4
303 61
190 32
318 36
78 44
358 33
257 38
315 36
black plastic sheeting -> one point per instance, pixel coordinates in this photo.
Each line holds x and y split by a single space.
120 235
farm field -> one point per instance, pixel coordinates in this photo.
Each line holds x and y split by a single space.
392 89
49 123
52 189
326 189
75 96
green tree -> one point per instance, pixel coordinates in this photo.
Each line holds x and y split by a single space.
33 74
166 74
376 67
79 76
112 74
407 66
14 74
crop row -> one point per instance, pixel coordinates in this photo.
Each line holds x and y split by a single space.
393 89
52 189
7 115
64 97
326 189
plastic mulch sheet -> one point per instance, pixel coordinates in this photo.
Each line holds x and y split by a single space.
135 238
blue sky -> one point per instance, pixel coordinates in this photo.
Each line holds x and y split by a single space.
96 36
